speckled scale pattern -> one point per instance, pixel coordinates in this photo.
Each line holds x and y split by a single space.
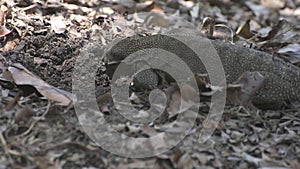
282 78
147 79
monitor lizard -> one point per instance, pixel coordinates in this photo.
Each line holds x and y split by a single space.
282 78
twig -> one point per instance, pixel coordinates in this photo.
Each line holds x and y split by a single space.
33 123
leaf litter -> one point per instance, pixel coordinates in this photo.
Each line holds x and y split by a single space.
44 37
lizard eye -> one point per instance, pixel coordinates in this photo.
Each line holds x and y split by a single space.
131 84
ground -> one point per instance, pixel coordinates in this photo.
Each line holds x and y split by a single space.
47 37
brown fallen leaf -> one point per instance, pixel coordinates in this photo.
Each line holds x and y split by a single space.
276 4
186 162
180 100
207 26
22 76
13 102
157 19
203 157
294 164
58 24
10 45
243 90
189 93
138 164
258 10
130 9
233 94
150 131
283 32
148 6
24 113
70 6
4 31
244 30
2 16
173 95
291 53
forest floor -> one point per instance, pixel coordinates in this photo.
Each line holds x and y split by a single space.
46 37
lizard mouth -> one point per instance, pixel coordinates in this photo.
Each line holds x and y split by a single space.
111 67
112 63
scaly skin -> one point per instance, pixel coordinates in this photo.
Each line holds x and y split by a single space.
282 78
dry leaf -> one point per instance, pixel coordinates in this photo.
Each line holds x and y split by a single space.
127 3
258 10
74 33
156 7
185 162
58 24
150 131
10 45
283 32
106 10
245 88
203 157
1 17
244 30
4 31
207 26
176 105
172 92
138 164
13 102
147 6
22 76
189 93
156 19
140 7
70 6
272 3
233 94
24 113
292 51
